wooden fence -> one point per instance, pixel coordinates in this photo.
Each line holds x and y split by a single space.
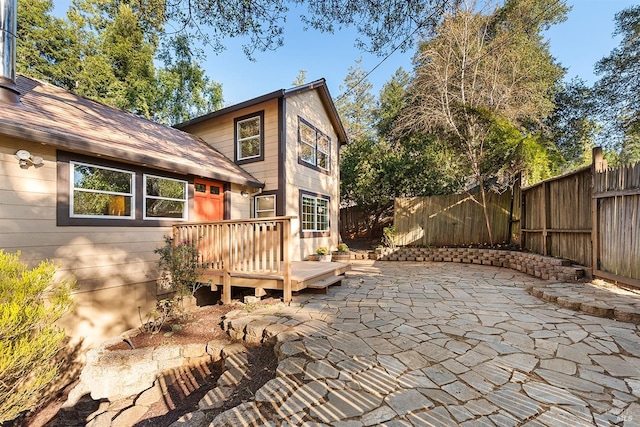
456 219
556 217
590 216
616 224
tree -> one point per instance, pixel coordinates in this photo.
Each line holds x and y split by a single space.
185 91
619 86
105 50
384 25
355 105
31 301
571 127
479 72
45 44
376 169
301 78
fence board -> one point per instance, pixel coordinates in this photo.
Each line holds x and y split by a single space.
557 217
617 195
452 220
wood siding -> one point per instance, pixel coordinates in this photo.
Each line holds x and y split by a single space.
308 106
219 133
115 267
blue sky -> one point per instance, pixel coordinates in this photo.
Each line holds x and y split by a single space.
577 43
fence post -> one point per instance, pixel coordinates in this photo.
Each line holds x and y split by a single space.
598 164
286 255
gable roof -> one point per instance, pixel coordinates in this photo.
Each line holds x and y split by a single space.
54 116
319 85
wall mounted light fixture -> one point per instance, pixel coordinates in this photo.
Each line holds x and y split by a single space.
244 193
25 159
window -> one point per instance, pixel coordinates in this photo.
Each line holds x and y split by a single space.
265 206
164 198
315 146
315 214
99 191
249 138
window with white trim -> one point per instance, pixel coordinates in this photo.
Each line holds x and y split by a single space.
164 198
99 191
314 146
249 138
315 213
265 206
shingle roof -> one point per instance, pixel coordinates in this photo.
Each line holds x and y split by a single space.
54 116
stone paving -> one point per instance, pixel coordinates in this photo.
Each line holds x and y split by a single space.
438 344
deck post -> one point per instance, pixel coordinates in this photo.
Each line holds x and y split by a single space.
286 255
226 260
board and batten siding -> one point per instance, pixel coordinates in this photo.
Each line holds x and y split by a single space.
114 267
308 106
220 134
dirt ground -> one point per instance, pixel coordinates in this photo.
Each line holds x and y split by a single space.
201 326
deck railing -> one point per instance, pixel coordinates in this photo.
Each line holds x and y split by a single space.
246 248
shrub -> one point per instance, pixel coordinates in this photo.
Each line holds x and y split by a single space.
30 303
179 264
342 247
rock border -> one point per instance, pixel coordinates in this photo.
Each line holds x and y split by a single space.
540 266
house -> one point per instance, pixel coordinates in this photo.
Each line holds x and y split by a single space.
290 141
95 189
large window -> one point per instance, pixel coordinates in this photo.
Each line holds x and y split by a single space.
104 193
249 138
315 146
265 206
99 191
164 198
315 213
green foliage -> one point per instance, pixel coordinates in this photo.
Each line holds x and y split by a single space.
321 250
389 237
342 247
179 264
185 91
31 301
571 127
106 50
480 70
619 86
356 104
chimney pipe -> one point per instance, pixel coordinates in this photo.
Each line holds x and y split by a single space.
8 29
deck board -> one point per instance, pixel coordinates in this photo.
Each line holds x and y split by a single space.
303 273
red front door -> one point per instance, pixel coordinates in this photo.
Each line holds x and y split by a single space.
208 200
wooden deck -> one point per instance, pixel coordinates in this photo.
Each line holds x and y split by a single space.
304 274
254 253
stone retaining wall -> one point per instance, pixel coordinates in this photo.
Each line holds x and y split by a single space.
543 267
114 374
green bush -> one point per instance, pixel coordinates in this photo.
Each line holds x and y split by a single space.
30 303
179 265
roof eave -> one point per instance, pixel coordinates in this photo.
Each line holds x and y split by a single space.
96 148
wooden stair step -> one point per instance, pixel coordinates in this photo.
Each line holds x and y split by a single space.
325 283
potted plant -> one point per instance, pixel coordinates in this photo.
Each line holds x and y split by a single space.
341 253
322 254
